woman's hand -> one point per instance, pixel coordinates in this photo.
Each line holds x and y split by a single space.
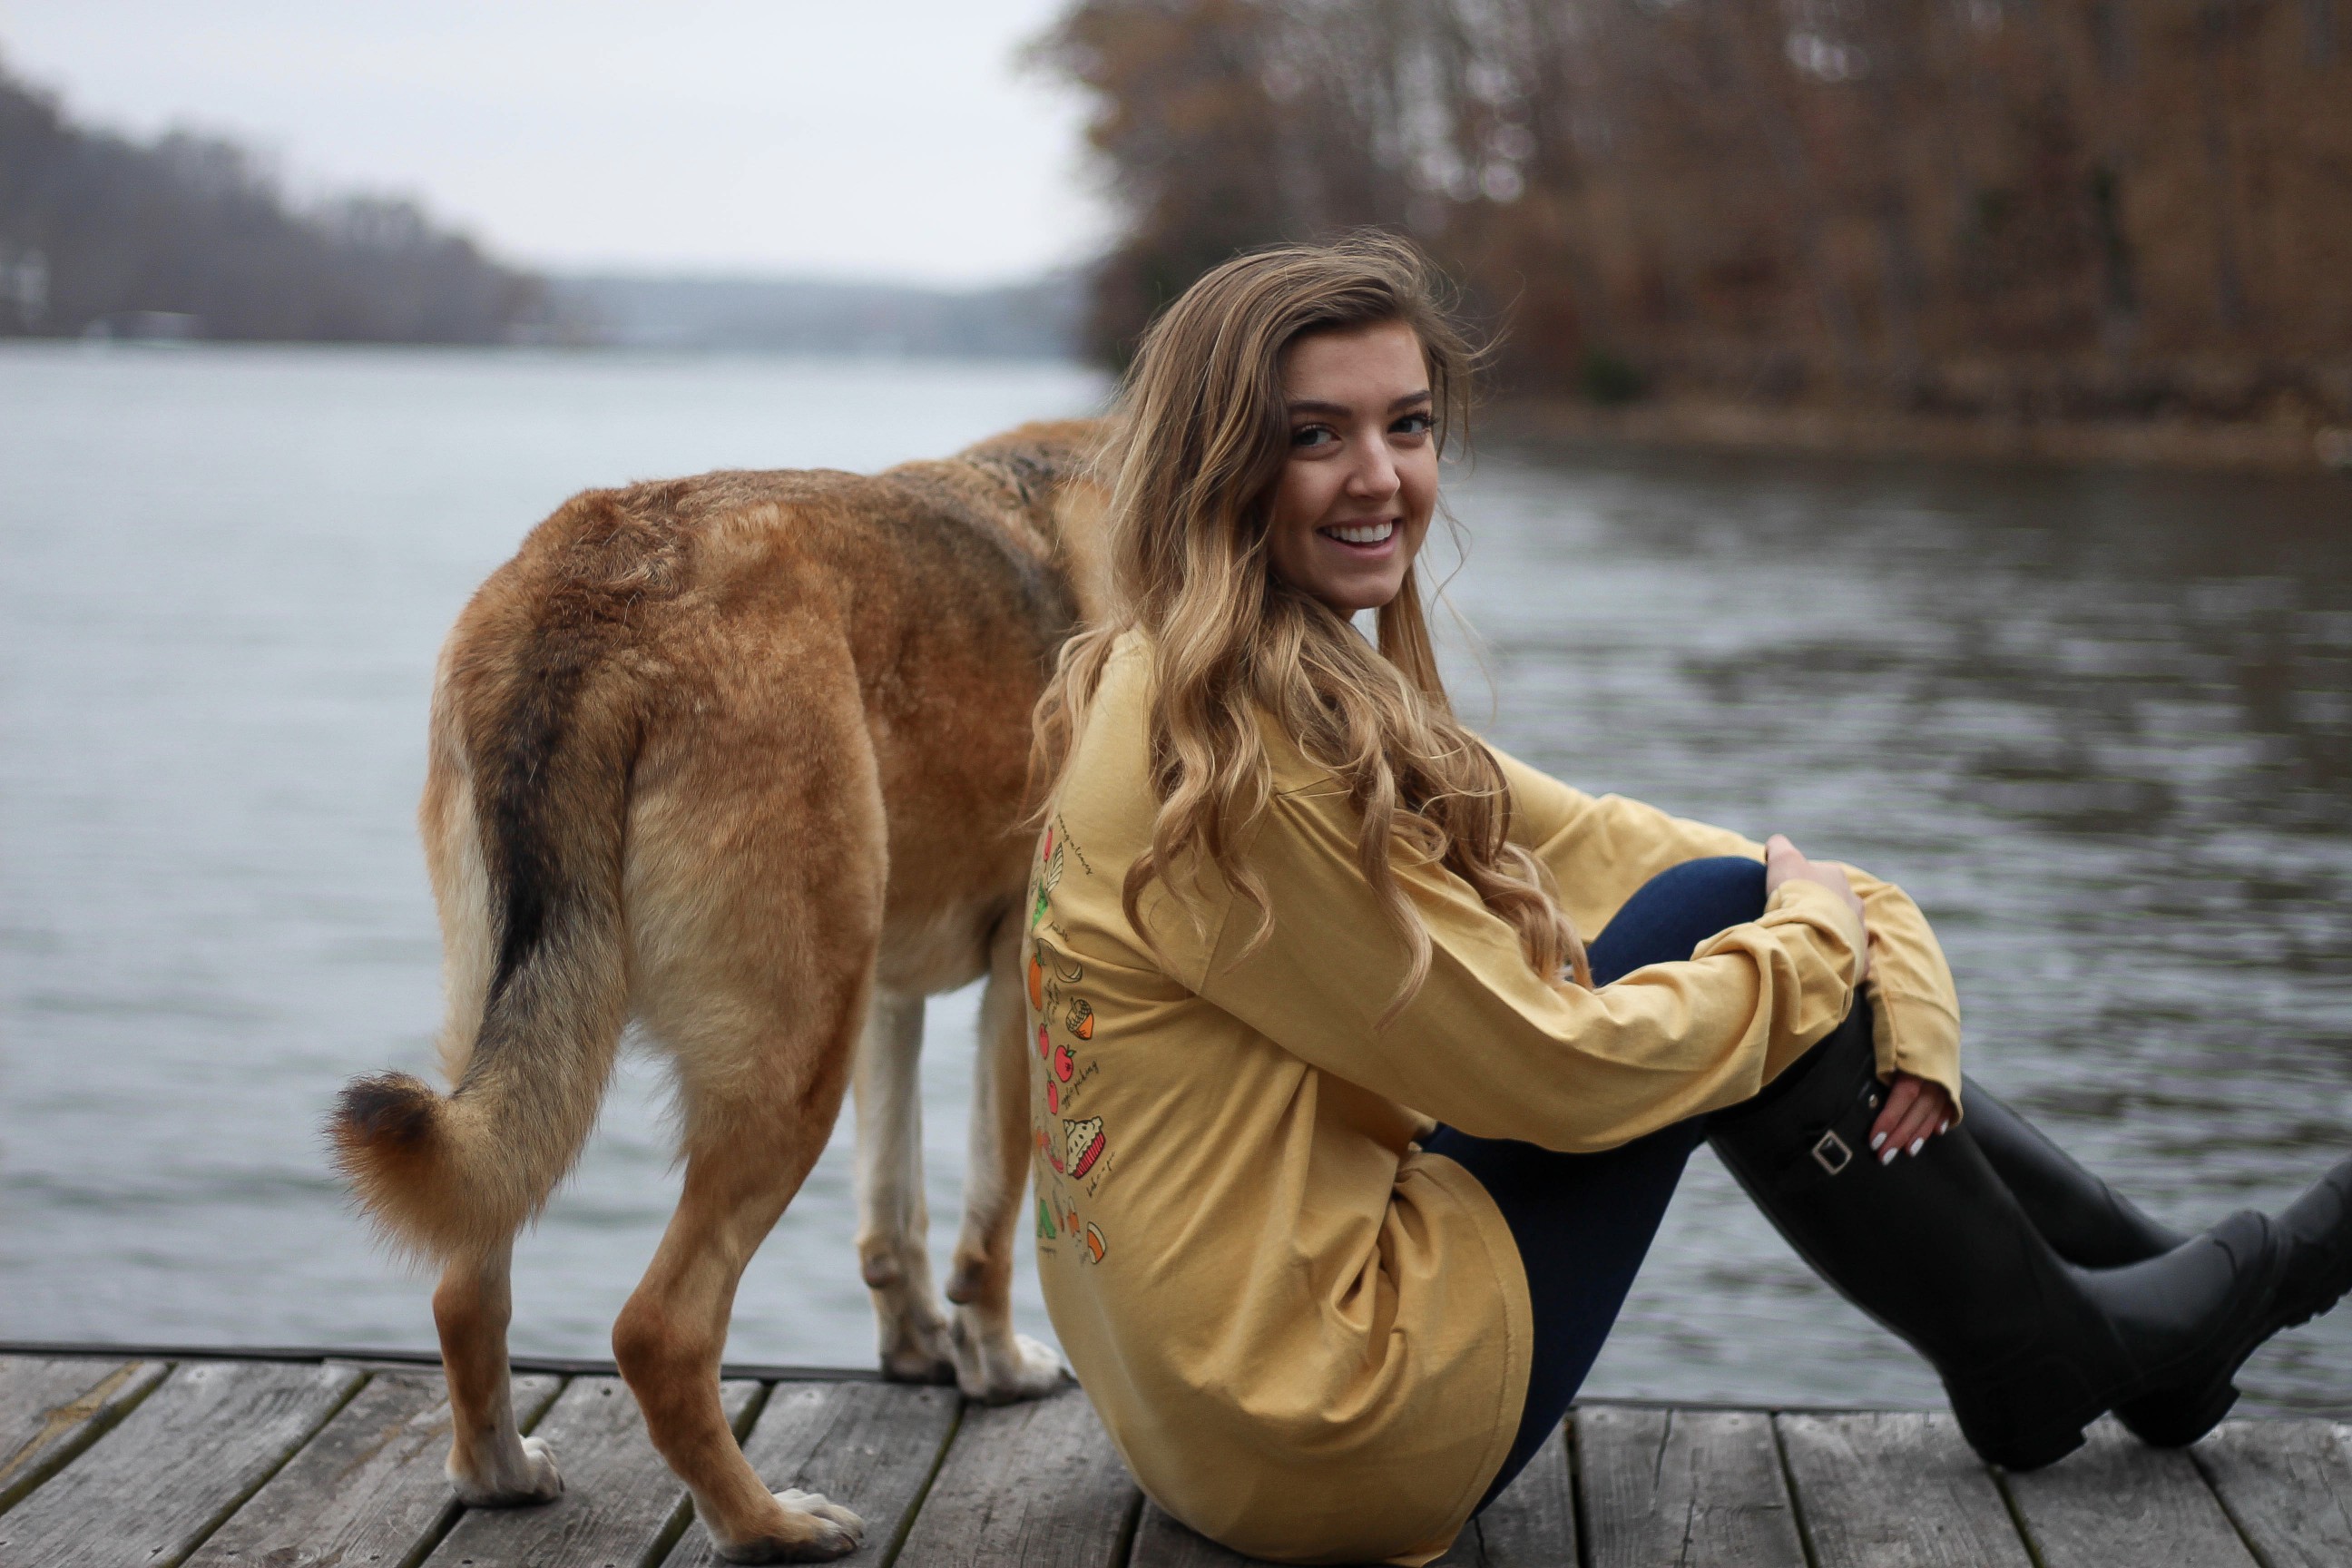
1916 1111
1784 862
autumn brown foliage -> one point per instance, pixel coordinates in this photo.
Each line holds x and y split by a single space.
2030 208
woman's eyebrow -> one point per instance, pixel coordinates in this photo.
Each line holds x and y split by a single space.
1316 405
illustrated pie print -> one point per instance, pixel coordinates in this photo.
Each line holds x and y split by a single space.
1085 1141
1095 1245
1042 957
1081 1021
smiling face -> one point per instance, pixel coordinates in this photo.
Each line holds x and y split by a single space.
1359 483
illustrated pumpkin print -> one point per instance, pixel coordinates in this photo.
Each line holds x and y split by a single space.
1081 1021
1084 1139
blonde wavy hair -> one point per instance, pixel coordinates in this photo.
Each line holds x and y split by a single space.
1206 435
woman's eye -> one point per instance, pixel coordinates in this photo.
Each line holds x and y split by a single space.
1313 436
1412 425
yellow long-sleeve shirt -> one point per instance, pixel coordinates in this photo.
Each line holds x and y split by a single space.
1309 1338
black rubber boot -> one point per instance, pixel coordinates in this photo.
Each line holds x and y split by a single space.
2086 1222
2030 1349
2091 1225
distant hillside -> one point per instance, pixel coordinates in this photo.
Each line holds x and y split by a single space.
1030 321
189 237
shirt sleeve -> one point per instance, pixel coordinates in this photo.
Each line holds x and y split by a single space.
1488 1046
1601 849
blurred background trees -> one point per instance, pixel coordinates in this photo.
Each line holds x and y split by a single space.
2032 209
186 235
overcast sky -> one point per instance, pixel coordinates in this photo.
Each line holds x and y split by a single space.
880 139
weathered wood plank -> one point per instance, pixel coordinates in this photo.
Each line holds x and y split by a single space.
2288 1484
148 1491
1026 1486
51 1408
869 1447
1163 1541
369 1489
1531 1525
621 1506
1896 1491
2117 1503
1693 1487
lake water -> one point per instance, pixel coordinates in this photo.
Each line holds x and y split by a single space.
2099 723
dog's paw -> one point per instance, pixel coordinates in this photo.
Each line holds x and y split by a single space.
812 1530
1004 1368
536 1479
918 1350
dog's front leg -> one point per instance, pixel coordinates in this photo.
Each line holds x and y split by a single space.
893 1221
992 1362
491 1463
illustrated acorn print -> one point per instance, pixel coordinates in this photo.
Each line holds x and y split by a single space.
1081 1021
1086 1143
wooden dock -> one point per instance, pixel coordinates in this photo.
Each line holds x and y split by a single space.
154 1459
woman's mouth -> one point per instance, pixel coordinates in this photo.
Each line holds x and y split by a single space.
1367 536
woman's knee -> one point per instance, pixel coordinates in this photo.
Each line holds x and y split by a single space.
1669 915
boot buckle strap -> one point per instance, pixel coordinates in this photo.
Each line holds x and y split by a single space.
1832 1155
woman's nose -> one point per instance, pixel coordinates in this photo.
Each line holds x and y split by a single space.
1374 475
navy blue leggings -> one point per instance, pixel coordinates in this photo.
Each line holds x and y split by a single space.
1584 1222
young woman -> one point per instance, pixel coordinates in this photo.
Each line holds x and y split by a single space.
1347 1146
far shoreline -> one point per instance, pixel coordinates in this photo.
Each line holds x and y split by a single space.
1717 424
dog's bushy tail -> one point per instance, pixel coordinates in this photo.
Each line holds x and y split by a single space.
533 736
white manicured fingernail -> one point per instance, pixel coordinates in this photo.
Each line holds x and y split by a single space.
1918 1145
1888 1158
1947 1127
1877 1139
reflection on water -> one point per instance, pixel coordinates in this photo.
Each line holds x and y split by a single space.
2100 724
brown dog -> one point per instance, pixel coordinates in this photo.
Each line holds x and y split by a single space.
741 758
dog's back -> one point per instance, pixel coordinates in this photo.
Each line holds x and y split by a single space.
743 680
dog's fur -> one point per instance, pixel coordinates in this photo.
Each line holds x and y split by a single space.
741 758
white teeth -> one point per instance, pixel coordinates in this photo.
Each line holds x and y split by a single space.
1370 533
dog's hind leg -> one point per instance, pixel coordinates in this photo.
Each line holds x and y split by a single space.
492 1464
992 1362
756 878
893 1221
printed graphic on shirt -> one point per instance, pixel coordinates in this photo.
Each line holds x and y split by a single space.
1045 1231
1045 961
1095 1245
1081 1021
1049 860
1083 1144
